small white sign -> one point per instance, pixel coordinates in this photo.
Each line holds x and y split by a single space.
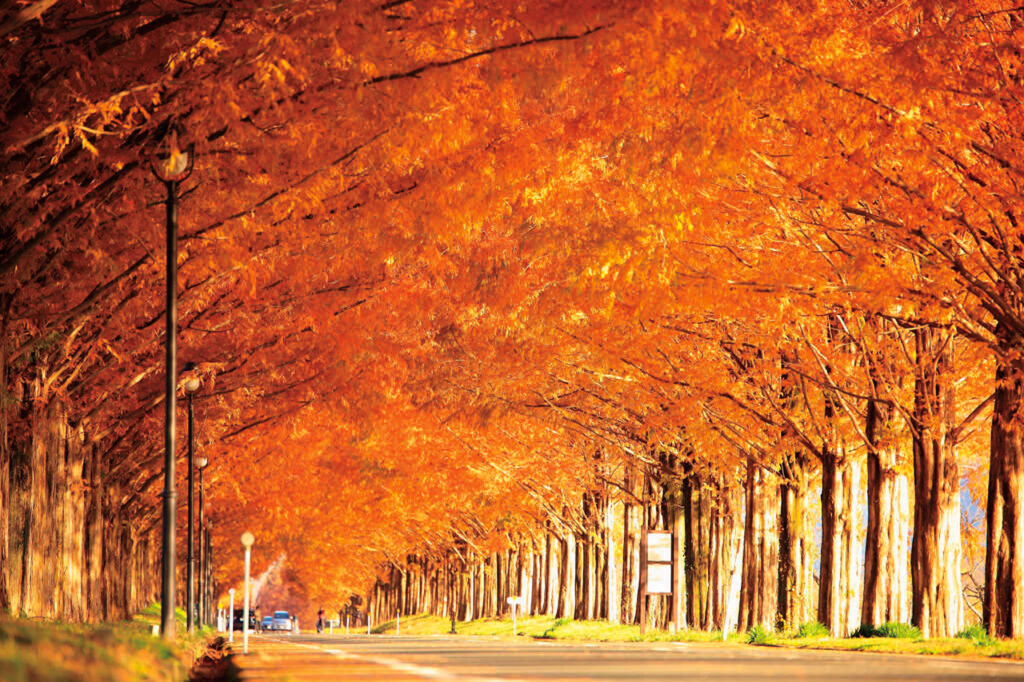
659 578
515 600
659 545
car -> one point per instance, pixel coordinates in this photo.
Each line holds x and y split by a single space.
281 621
238 618
268 623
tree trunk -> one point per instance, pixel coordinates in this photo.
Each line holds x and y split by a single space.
886 551
839 586
759 592
471 597
937 601
696 549
5 470
585 564
677 618
567 593
1003 603
796 543
612 600
725 553
627 599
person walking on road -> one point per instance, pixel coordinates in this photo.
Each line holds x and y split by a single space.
320 620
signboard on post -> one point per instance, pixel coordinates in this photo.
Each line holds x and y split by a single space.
655 568
659 562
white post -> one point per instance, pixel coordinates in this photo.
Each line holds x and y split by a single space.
231 615
398 623
346 624
514 602
369 619
247 540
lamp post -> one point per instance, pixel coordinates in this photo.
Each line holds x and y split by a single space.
202 462
247 540
191 385
231 615
451 590
172 169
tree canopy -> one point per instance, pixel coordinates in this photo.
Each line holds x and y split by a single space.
447 266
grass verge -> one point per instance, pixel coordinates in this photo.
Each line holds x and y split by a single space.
951 646
546 627
45 651
815 637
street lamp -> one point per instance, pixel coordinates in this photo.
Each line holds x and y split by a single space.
453 576
192 385
174 167
231 615
202 462
247 540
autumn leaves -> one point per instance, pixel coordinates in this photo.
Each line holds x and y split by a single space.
439 256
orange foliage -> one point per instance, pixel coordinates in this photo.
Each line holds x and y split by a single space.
434 256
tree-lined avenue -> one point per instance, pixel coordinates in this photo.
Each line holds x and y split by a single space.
475 290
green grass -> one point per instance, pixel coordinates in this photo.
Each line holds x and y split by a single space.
891 630
977 634
812 629
547 627
896 637
759 636
42 651
951 646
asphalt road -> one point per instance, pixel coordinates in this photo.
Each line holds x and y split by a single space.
473 659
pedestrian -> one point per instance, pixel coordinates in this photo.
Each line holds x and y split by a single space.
320 620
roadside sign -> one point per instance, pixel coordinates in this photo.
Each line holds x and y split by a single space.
659 546
659 562
659 578
514 600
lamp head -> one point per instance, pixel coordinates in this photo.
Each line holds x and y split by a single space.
247 539
192 384
202 462
175 158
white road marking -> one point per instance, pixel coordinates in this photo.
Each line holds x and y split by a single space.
409 668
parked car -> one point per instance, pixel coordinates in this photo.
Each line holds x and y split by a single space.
268 623
281 621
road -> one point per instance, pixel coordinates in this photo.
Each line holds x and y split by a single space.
477 659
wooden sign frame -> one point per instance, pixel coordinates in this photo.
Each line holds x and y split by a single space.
657 551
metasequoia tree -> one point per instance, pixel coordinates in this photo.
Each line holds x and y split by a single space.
463 248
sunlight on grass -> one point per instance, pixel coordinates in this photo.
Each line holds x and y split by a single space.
810 636
951 646
42 651
546 627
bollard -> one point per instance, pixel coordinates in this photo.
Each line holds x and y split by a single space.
346 625
514 602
